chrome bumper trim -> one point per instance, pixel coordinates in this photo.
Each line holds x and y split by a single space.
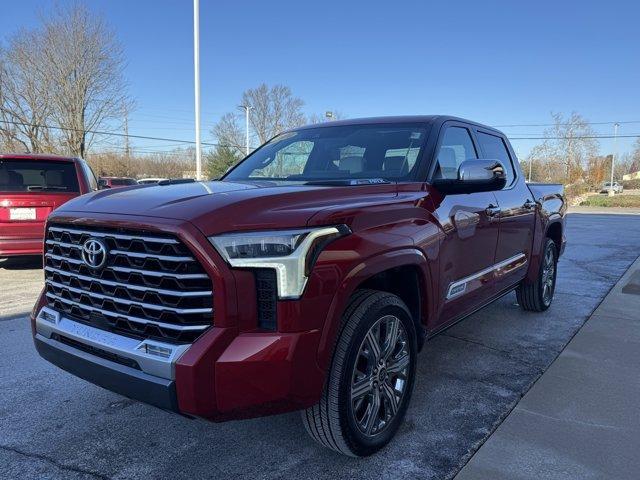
50 321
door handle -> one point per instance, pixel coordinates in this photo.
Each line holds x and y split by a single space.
529 204
492 210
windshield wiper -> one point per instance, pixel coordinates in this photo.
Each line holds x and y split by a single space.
348 182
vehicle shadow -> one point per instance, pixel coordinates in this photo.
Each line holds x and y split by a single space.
29 262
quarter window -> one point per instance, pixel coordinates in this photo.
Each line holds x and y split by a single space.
456 147
493 148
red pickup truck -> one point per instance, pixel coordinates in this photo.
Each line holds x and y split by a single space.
31 187
308 278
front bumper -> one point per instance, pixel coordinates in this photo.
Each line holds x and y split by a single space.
118 378
222 376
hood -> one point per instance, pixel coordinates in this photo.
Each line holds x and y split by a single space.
216 207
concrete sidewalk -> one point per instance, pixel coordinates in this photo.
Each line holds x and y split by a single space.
581 419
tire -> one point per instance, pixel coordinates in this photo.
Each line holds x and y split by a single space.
537 296
339 421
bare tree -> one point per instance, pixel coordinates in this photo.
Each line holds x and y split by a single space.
24 94
272 111
563 156
85 62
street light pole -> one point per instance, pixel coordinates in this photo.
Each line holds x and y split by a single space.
613 157
246 118
196 66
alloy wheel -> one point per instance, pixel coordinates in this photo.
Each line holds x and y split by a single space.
380 375
548 276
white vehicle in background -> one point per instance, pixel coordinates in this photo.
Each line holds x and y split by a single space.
606 187
150 181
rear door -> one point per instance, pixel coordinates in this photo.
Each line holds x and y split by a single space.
29 191
516 212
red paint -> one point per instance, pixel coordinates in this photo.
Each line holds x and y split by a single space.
235 370
24 237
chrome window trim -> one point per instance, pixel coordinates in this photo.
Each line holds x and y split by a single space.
458 287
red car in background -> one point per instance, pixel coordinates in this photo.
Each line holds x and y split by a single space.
116 182
31 187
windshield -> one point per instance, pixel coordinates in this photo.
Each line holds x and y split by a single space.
388 152
37 176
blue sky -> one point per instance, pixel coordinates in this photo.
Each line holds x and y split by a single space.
499 63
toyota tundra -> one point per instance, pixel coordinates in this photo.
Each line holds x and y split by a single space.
308 278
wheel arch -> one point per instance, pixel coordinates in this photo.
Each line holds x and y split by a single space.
380 270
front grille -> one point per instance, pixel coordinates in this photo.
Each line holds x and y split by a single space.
151 286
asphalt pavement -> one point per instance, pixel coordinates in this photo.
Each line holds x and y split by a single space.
53 425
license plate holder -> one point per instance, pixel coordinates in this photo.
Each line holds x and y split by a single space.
22 214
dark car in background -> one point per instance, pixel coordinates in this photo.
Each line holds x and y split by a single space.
31 187
116 182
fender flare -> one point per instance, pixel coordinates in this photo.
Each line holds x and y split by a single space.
367 268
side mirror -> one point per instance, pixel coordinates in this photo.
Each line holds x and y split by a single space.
102 184
474 176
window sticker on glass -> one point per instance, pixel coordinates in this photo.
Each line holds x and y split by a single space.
415 135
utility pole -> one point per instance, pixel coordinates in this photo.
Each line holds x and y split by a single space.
127 147
246 118
530 167
613 157
196 67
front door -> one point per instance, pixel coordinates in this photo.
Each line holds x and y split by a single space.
470 225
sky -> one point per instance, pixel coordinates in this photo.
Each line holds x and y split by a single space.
498 63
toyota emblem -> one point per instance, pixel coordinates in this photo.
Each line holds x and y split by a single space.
94 253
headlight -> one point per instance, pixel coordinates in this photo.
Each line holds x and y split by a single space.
291 253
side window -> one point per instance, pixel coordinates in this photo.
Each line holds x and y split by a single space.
456 147
287 161
91 178
494 148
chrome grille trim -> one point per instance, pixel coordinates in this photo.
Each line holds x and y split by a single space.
114 235
126 285
150 288
166 258
179 276
144 321
129 302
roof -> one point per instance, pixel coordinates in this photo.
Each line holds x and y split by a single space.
398 119
38 156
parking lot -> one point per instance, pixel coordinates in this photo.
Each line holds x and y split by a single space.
53 425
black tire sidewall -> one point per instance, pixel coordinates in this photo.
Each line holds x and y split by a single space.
358 442
549 244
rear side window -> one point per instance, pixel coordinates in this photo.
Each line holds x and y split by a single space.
493 148
455 148
37 176
91 178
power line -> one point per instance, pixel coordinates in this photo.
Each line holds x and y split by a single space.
577 137
115 134
553 124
